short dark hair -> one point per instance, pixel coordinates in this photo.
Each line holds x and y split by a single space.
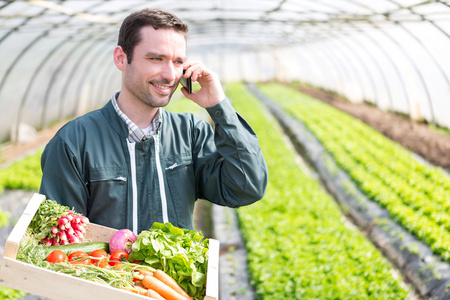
130 30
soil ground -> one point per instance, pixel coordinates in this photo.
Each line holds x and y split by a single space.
419 138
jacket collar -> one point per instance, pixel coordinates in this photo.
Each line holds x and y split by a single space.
116 122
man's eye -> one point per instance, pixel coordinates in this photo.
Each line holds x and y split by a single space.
179 62
156 58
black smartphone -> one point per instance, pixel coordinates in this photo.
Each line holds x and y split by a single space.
186 83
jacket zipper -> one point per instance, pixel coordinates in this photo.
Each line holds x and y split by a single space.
131 150
119 178
161 182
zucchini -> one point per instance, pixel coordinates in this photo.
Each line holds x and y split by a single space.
69 248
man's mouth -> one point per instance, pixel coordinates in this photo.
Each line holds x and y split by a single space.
162 89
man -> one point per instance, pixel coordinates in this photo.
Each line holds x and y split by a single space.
132 163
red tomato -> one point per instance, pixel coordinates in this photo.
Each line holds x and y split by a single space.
79 258
99 258
117 257
56 256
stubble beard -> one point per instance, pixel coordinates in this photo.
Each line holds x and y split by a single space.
144 95
142 92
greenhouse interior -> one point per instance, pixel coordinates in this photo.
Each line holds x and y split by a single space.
347 100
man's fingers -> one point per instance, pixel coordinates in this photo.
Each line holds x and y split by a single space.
194 70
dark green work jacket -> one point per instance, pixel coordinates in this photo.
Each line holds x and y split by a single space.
90 166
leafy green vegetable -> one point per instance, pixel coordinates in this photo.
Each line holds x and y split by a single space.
179 252
415 194
299 244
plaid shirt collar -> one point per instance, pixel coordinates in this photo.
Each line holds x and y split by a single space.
135 133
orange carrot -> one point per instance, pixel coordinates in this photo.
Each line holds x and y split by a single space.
130 289
153 294
141 290
144 272
136 289
139 283
161 288
161 275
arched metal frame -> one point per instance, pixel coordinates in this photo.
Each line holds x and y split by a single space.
337 44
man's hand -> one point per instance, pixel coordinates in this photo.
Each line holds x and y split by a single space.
211 92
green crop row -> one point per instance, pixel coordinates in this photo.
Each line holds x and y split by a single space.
24 174
299 244
416 195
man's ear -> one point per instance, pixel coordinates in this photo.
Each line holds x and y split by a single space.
120 58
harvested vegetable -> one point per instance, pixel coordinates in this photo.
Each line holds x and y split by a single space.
56 256
180 253
122 240
137 290
117 257
154 294
55 224
161 288
79 258
69 248
99 258
163 277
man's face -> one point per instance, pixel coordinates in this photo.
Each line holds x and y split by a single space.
156 67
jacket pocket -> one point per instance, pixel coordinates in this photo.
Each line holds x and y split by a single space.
108 196
181 181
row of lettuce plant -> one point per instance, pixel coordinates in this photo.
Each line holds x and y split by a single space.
415 194
299 244
24 174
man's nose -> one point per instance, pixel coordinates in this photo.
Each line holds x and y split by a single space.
169 72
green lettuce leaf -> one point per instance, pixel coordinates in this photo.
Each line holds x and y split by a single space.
179 252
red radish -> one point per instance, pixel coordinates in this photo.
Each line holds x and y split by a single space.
55 229
53 224
74 240
62 235
79 234
122 240
70 231
78 227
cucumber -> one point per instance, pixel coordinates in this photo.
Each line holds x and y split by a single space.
69 248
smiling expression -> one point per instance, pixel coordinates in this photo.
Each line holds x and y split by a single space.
156 67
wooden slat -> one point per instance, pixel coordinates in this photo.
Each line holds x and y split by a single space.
13 241
39 281
98 233
212 275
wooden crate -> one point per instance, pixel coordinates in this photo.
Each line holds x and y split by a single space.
39 281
